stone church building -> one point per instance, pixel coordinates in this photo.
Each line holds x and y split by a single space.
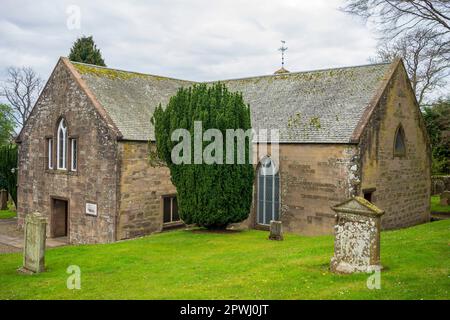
83 153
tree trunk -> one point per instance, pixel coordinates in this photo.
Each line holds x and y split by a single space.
3 199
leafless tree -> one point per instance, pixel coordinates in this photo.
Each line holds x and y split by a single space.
417 31
21 89
425 58
395 17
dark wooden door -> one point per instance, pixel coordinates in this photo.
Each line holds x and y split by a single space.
59 218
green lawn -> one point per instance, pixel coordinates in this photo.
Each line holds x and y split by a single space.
436 207
7 214
239 265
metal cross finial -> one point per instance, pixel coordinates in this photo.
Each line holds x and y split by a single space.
282 49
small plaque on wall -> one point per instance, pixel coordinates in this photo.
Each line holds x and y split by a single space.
91 209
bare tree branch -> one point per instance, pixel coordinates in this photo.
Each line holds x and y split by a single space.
425 60
21 89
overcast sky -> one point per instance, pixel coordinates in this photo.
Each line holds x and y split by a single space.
195 39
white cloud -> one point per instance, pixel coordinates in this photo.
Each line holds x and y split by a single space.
197 39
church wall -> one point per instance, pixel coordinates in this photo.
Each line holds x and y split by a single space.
141 188
402 184
313 177
95 179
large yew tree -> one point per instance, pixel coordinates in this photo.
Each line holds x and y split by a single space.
209 195
85 50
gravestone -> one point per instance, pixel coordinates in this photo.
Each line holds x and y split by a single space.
276 230
438 186
3 199
357 237
445 198
34 246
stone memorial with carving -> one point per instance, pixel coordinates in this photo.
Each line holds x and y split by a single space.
34 246
357 237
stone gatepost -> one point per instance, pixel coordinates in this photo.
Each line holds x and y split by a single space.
3 199
276 230
34 243
357 237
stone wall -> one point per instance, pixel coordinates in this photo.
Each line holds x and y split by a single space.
401 184
95 179
141 188
313 177
439 184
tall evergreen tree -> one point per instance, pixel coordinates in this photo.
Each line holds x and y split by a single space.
6 124
84 50
8 170
209 195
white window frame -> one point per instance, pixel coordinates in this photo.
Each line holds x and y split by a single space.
61 153
73 162
172 199
50 153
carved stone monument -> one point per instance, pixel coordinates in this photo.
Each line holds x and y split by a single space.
357 237
276 230
34 246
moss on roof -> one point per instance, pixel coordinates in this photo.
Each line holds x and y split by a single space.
322 106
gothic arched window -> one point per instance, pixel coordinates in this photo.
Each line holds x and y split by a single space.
61 145
268 192
399 142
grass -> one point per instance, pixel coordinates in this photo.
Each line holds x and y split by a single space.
8 213
436 206
239 265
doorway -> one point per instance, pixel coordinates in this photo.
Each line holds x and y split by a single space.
59 220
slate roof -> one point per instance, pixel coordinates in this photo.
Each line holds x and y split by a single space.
321 106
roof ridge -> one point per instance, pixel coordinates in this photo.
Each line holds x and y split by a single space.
302 72
239 78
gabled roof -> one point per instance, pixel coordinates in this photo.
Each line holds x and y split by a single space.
358 205
324 106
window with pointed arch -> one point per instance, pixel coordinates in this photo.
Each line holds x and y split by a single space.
268 207
61 145
399 142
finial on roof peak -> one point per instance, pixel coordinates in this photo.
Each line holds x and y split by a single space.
282 49
281 71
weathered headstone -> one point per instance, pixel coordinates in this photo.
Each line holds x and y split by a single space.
3 199
34 246
276 230
438 186
445 198
357 237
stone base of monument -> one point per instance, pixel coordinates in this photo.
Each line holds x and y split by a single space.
276 230
347 268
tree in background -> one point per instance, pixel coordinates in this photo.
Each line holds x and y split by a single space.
209 195
6 124
21 90
417 31
84 50
8 170
425 60
437 119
